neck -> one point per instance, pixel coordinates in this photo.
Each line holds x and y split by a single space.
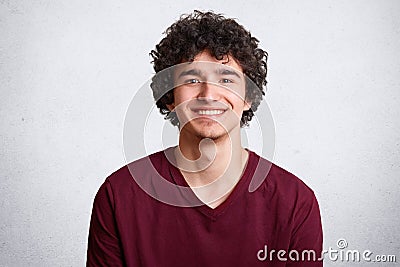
211 167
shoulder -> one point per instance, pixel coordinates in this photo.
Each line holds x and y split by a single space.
281 183
128 176
283 179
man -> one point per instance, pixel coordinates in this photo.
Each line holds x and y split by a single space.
191 205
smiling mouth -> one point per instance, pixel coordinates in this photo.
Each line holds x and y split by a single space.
209 112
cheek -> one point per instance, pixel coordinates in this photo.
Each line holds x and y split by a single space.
236 93
236 99
182 95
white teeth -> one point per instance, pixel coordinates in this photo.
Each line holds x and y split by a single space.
210 112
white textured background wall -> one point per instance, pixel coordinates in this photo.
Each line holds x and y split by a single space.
68 70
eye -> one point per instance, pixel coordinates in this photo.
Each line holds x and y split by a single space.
190 81
226 81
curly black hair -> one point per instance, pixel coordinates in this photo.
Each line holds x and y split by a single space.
199 31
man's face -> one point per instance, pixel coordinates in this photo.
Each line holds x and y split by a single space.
209 96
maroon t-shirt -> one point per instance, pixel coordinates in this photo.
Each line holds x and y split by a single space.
278 224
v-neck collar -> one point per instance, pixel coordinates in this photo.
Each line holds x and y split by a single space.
239 188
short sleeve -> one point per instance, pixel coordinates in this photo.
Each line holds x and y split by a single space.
306 239
104 248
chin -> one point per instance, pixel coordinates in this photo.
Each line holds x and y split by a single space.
207 129
213 134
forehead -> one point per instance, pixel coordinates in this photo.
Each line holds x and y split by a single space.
204 64
227 60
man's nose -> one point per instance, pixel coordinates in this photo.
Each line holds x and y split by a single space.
209 91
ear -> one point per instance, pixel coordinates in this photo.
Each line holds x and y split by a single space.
171 107
247 105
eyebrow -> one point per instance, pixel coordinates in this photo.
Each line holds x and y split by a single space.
194 72
197 72
224 71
